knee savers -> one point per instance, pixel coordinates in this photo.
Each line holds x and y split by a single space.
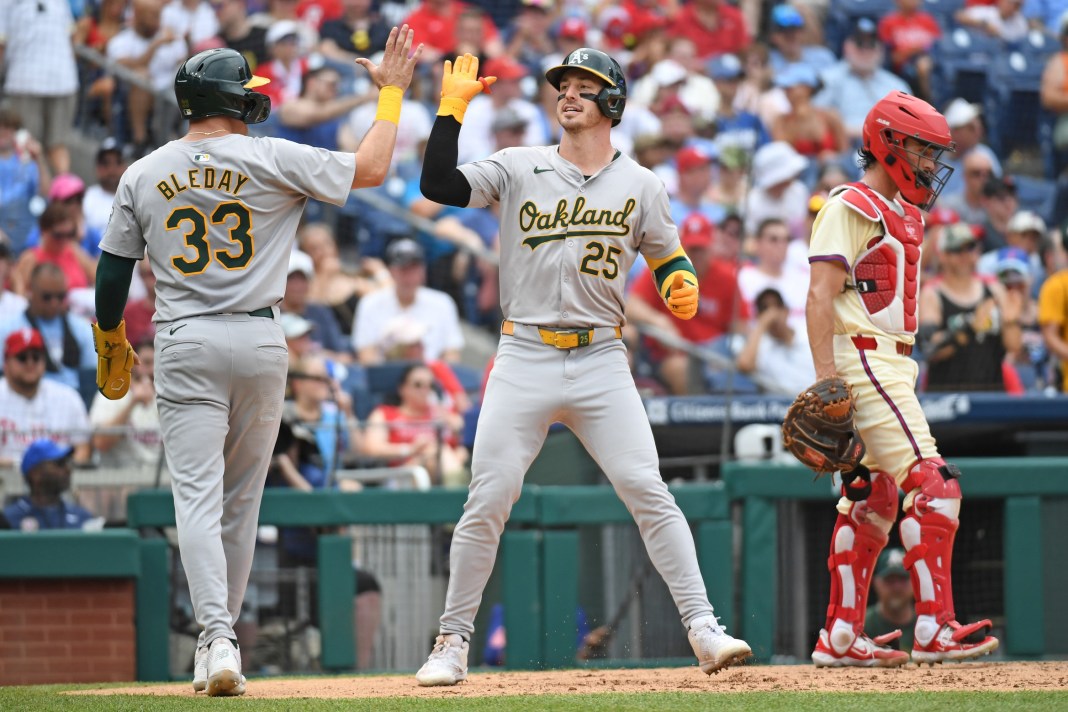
935 478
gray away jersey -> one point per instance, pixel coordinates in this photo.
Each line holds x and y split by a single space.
568 243
219 216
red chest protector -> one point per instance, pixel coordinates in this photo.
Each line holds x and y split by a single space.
886 275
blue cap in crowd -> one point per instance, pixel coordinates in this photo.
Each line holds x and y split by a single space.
786 17
725 66
43 450
1013 259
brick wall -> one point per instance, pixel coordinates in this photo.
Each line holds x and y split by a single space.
74 630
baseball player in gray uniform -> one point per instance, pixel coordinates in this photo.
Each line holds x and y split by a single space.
573 219
218 213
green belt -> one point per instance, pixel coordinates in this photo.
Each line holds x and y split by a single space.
266 312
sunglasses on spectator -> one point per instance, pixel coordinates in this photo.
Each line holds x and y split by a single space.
53 296
65 235
30 357
419 384
970 247
978 173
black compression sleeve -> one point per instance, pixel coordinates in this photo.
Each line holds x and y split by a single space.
441 181
113 275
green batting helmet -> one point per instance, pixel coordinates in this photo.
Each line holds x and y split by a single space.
219 82
613 97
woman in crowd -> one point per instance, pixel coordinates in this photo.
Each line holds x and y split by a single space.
416 430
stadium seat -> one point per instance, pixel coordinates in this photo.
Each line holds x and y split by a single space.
962 60
943 11
1036 195
1037 43
382 380
87 385
470 378
842 14
1011 104
1054 160
470 424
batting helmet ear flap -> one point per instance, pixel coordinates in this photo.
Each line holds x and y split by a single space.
611 101
257 108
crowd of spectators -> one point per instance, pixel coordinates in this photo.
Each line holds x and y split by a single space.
749 113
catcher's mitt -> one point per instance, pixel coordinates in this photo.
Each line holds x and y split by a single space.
818 428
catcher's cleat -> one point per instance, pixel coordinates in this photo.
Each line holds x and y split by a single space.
715 650
447 664
865 652
200 669
948 644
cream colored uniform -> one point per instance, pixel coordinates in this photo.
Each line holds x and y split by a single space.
567 243
888 416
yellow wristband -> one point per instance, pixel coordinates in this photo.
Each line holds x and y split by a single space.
452 106
389 104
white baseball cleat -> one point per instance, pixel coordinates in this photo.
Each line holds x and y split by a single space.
948 644
715 649
224 669
200 669
447 664
864 652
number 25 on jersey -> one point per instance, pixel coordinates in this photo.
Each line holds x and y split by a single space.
233 217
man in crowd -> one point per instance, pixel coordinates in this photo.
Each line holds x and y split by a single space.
719 306
68 338
238 33
775 353
408 297
40 74
325 332
46 467
852 86
32 406
894 609
112 158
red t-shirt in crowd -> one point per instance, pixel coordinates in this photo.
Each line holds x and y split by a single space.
731 34
404 430
715 308
439 31
916 32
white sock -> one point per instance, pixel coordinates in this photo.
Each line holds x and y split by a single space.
841 636
926 629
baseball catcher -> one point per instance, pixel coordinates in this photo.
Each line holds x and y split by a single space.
865 255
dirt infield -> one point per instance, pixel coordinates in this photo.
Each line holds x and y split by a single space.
1043 676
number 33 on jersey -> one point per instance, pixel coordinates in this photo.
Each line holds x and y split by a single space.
213 210
568 241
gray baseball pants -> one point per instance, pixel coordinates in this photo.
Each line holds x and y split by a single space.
220 382
591 391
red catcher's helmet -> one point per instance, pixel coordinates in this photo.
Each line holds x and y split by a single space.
896 117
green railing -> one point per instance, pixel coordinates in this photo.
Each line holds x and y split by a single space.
1022 482
540 553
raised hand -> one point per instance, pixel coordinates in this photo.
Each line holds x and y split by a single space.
398 60
461 81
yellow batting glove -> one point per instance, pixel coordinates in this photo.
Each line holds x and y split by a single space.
682 299
115 360
460 83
